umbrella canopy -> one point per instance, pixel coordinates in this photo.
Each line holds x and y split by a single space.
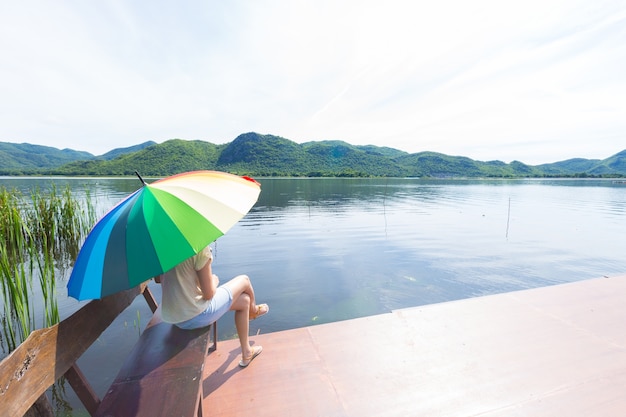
157 227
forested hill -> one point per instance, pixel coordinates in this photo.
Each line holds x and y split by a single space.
27 157
268 155
24 158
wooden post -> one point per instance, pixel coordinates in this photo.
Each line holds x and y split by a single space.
152 303
83 390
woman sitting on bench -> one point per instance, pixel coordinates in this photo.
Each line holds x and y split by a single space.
192 298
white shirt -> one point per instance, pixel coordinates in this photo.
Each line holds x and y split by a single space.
182 297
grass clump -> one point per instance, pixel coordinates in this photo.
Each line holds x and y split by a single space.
40 237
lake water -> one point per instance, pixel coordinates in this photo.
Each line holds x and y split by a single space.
323 250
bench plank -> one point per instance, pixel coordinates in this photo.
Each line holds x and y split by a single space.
162 376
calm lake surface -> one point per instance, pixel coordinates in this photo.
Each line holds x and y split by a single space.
323 250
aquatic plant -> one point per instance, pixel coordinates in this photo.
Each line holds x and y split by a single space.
39 237
17 320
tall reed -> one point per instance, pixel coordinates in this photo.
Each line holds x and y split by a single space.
17 320
39 237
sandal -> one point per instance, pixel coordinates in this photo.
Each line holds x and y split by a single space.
261 309
256 351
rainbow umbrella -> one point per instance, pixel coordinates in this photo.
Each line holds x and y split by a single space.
157 227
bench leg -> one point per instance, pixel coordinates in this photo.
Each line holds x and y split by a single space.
214 347
211 349
200 402
83 390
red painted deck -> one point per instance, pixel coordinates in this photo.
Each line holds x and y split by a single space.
553 351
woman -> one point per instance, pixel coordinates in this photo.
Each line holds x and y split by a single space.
192 298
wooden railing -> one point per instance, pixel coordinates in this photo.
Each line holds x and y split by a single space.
50 353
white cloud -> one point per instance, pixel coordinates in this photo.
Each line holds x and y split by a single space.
537 81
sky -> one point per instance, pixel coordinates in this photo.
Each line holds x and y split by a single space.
536 81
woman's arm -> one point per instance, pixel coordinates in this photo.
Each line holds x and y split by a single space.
208 281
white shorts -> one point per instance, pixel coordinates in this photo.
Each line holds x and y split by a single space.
218 306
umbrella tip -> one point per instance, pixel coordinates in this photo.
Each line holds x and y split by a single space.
250 179
141 179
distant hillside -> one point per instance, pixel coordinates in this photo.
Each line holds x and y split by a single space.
269 155
614 165
370 149
24 158
122 151
344 159
432 164
251 153
170 157
18 158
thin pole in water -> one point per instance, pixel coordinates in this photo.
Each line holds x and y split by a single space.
384 206
508 217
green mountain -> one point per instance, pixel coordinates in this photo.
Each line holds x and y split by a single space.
24 158
18 158
171 157
248 154
432 164
370 149
251 153
269 155
343 159
121 151
569 166
614 165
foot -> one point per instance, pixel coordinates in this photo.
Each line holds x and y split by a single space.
245 361
259 310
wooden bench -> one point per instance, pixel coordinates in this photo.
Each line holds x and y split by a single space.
162 376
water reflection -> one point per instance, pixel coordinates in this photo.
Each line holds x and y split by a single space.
351 247
346 248
322 250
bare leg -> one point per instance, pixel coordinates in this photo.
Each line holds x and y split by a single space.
241 285
243 305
